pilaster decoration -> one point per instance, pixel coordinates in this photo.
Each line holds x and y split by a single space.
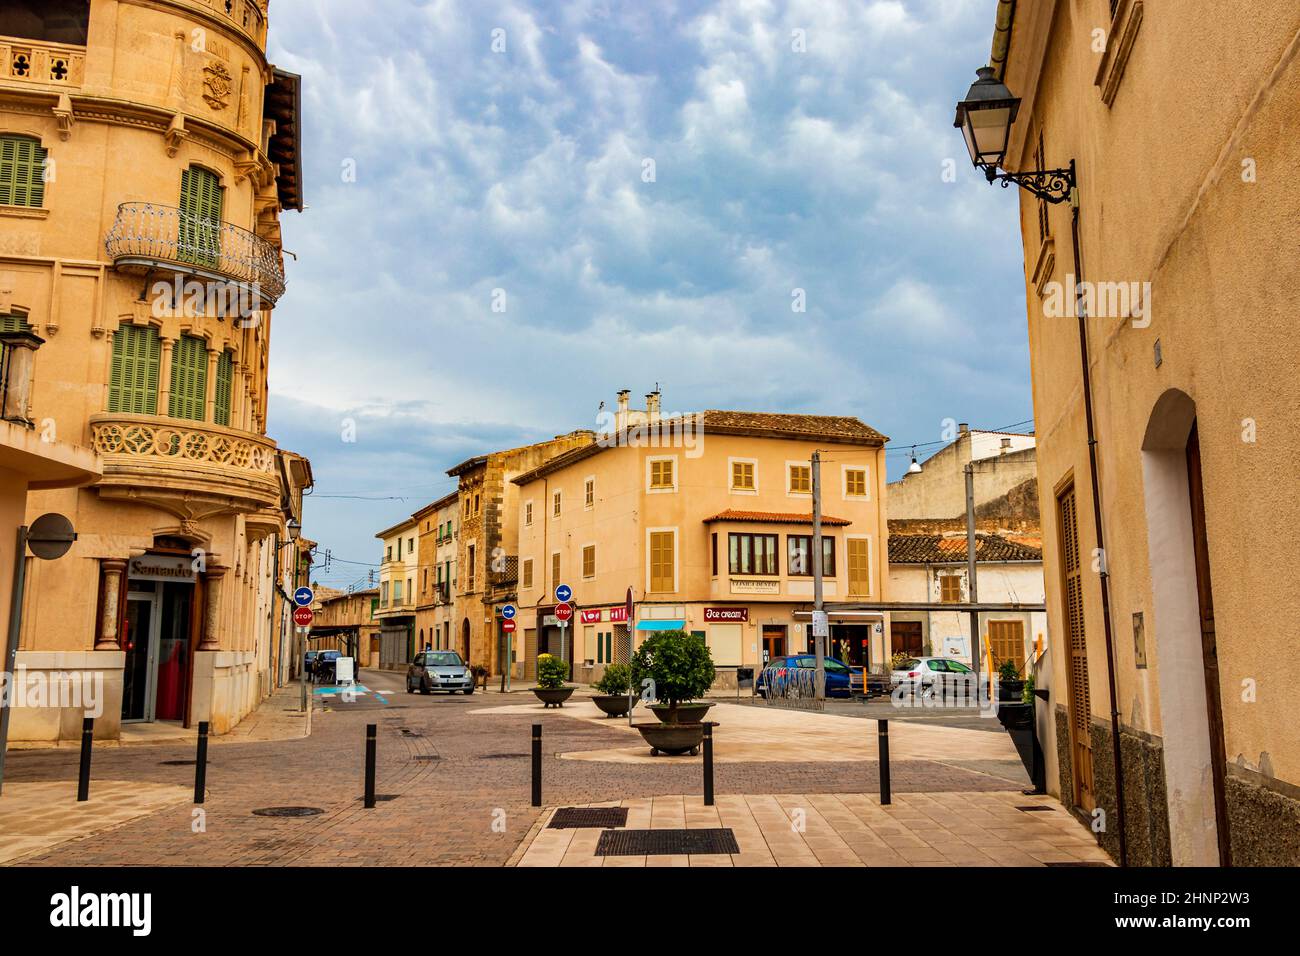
210 398
64 116
1119 46
112 570
165 376
212 607
175 135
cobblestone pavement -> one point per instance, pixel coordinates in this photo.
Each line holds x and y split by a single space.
459 783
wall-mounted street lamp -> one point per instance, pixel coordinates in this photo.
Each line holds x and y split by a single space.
915 467
294 528
985 119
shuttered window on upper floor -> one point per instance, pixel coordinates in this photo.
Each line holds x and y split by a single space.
133 381
225 367
201 209
189 378
22 171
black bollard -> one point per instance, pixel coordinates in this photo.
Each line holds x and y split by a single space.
882 730
201 763
537 765
708 763
83 775
371 730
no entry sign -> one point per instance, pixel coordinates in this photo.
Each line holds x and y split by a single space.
563 612
508 626
302 616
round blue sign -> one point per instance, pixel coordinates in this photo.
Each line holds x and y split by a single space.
563 592
508 612
303 596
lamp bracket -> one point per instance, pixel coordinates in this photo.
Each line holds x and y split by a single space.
1050 185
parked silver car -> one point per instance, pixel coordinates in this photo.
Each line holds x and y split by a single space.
438 670
921 674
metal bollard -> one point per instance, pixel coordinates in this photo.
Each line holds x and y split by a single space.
537 765
708 764
371 730
882 731
201 763
83 775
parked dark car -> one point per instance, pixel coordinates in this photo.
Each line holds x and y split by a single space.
309 664
439 670
796 673
323 668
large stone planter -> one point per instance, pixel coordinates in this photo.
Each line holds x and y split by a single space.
691 713
673 739
614 705
553 696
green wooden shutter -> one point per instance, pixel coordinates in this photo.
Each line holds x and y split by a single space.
22 172
201 209
224 366
189 379
137 357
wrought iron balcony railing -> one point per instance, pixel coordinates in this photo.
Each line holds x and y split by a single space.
152 236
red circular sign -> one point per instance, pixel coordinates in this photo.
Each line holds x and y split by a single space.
302 616
563 612
508 627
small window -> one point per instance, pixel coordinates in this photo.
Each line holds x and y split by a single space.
556 500
589 561
855 482
752 554
742 476
22 172
526 573
799 552
661 473
477 505
662 561
714 552
950 589
801 479
555 569
528 514
589 493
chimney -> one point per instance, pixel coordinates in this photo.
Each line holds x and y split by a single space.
652 406
1006 446
620 420
963 428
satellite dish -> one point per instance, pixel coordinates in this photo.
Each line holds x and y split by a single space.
50 536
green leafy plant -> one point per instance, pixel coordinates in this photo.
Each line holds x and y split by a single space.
1027 695
678 663
552 671
1008 671
616 679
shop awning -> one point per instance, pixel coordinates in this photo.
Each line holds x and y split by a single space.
660 625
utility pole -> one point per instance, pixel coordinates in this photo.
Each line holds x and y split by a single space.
819 611
970 574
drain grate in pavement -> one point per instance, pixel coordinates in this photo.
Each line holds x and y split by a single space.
1035 809
578 818
503 756
287 812
666 842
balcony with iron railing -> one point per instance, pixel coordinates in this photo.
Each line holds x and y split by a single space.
147 236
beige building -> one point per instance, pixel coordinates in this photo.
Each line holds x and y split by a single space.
147 150
435 608
1006 460
708 519
398 573
1160 567
347 621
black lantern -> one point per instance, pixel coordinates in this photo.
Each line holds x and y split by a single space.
985 118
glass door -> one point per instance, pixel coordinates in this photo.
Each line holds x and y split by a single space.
140 639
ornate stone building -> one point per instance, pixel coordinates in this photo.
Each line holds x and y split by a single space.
147 150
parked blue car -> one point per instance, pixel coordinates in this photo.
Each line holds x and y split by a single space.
794 676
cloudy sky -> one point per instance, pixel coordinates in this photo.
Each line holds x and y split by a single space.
516 209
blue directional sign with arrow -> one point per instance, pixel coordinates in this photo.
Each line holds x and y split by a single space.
303 596
563 593
508 612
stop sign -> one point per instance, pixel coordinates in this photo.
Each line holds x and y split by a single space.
563 612
302 616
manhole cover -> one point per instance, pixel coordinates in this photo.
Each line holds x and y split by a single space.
287 812
666 842
503 756
382 797
1034 809
576 818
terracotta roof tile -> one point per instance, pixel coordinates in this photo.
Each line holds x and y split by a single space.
947 549
774 517
834 427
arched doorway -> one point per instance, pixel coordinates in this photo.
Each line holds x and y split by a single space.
464 640
1191 710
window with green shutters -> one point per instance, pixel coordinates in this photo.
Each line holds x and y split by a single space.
200 232
137 357
22 172
189 378
225 365
10 323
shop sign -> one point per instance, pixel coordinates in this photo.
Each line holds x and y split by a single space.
592 616
618 615
747 586
726 615
161 567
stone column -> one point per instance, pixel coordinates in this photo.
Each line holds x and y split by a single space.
211 607
112 570
165 377
210 398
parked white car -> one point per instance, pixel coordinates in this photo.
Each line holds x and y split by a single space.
923 673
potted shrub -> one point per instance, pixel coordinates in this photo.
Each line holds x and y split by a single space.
1010 687
613 699
680 668
552 671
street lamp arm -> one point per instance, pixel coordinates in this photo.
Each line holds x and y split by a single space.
1050 185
